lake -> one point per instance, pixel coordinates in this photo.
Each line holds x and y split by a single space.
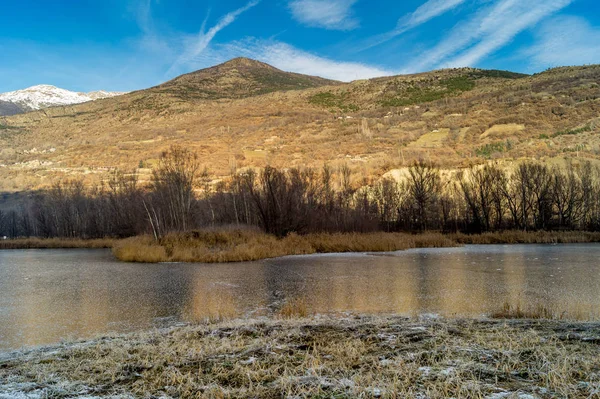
51 295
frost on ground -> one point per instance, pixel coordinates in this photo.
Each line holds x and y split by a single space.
359 356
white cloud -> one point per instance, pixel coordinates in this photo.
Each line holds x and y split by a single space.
328 14
191 52
288 58
487 31
150 40
565 40
426 12
515 21
196 45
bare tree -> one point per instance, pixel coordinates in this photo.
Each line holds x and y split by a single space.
387 198
2 223
481 189
567 196
424 186
173 184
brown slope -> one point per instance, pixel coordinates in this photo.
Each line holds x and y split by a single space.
237 78
454 117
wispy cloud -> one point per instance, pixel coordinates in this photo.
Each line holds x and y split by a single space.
196 45
488 30
150 40
426 12
514 22
328 14
564 40
289 58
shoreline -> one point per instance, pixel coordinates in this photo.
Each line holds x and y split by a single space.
56 243
240 245
243 244
344 356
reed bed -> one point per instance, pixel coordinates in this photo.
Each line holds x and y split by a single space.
246 244
295 308
238 245
55 243
321 357
540 311
527 237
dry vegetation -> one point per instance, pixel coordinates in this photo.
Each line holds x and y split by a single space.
238 245
528 237
52 243
454 117
389 357
536 312
248 244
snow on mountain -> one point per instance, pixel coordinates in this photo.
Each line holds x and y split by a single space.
44 96
97 95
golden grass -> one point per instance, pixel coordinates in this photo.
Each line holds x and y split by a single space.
55 243
528 237
248 244
245 244
294 308
540 312
354 357
239 245
517 311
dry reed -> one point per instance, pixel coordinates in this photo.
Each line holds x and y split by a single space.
238 245
294 308
527 237
538 311
55 243
246 244
362 356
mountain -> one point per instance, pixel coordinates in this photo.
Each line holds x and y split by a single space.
244 114
238 78
8 108
100 94
44 96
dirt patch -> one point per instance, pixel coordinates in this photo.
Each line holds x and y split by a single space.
502 131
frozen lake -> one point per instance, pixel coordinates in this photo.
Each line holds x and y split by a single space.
50 295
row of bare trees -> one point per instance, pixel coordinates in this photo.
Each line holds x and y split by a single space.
528 196
534 196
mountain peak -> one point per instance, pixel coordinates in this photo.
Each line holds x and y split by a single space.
238 78
40 87
247 62
45 95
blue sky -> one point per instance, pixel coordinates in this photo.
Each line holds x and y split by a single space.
124 45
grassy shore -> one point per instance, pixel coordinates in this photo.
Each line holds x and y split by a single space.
321 357
54 243
236 245
239 245
247 244
528 237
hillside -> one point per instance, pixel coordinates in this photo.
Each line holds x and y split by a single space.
245 113
7 108
238 78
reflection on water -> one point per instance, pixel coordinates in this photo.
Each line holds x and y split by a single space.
49 295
